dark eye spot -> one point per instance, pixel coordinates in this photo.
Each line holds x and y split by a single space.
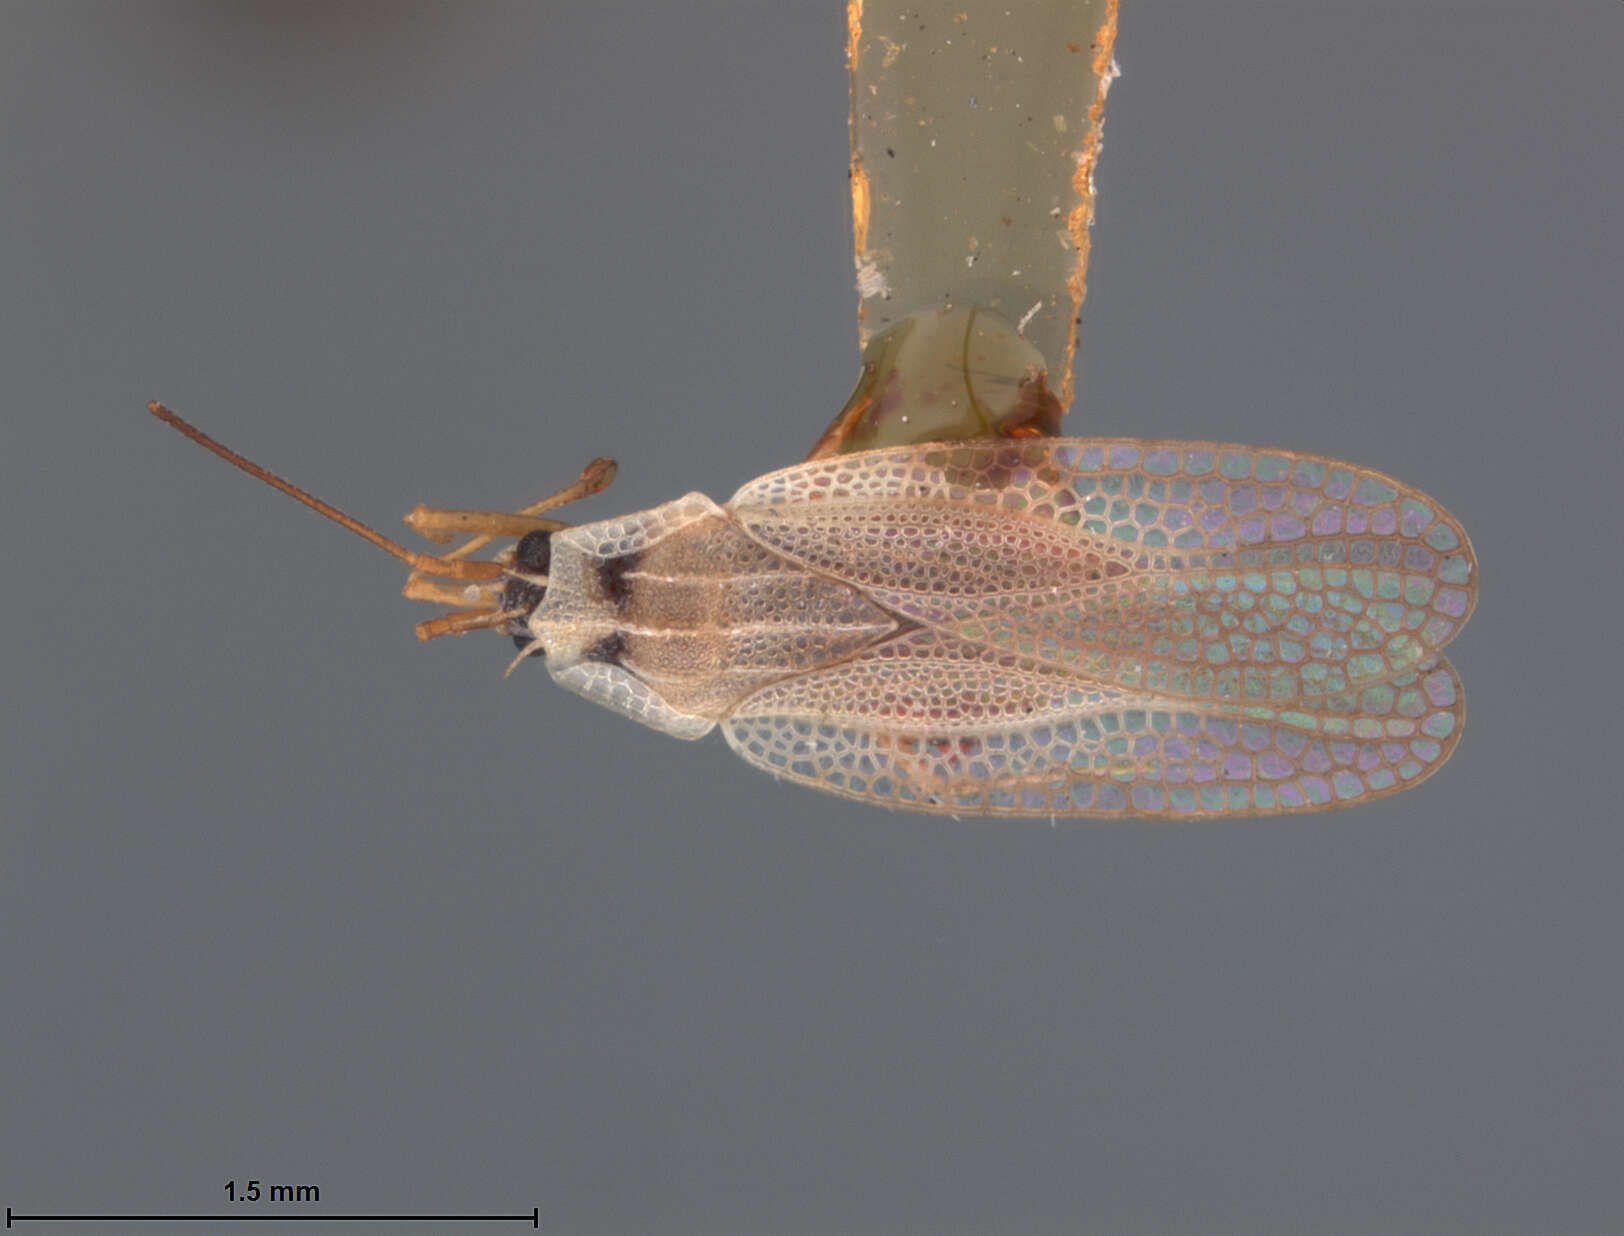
534 553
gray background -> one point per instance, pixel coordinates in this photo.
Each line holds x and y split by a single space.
287 896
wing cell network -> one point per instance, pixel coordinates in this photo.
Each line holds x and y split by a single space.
1186 570
946 727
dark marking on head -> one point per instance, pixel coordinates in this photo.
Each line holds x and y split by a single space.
534 553
520 599
612 578
609 649
521 596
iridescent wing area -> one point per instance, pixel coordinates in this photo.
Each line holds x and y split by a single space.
1092 751
1117 628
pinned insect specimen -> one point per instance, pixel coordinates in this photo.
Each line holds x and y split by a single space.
997 620
1040 627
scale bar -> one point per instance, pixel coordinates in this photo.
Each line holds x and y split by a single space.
533 1218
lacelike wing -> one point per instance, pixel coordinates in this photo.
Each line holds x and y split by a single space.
1117 628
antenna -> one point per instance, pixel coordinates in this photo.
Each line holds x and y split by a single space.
429 564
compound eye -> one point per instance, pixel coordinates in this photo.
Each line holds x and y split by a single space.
534 553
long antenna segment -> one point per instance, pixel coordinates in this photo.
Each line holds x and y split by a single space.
429 564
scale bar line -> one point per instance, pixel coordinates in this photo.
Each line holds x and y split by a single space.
533 1218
